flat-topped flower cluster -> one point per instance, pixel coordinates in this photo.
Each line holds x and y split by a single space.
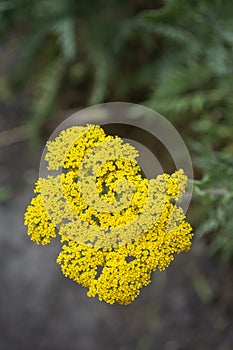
117 226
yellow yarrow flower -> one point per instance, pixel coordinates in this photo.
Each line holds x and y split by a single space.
117 227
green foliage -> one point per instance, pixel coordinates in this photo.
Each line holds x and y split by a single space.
199 38
215 191
194 83
47 89
82 34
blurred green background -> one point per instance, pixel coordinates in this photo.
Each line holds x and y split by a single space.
175 56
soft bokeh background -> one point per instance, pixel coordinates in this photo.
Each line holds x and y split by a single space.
57 56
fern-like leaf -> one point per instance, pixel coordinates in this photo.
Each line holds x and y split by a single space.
46 92
66 33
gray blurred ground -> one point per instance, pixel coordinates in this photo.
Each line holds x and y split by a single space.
189 306
41 309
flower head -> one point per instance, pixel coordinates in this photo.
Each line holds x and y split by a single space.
117 226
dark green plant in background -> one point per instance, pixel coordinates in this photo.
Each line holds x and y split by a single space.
194 87
174 56
81 46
